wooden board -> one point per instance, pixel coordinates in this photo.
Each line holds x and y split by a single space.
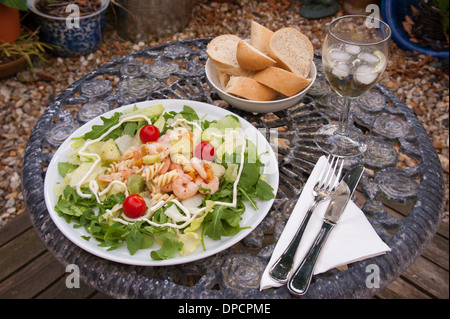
28 270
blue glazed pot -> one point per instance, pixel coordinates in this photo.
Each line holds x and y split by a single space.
71 39
393 12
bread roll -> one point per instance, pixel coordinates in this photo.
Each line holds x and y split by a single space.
260 37
223 78
222 52
249 89
292 50
282 81
250 58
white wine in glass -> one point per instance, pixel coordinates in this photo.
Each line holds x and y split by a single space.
354 56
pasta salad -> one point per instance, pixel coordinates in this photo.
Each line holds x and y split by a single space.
146 178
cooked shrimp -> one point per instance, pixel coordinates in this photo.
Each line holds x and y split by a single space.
184 188
166 137
132 152
176 167
126 172
165 166
181 132
188 168
209 172
203 169
156 148
212 185
121 175
198 165
167 188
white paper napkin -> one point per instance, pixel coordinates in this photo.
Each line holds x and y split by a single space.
352 239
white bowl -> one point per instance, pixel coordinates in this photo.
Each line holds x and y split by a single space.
212 75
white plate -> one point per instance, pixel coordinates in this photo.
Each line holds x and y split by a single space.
142 257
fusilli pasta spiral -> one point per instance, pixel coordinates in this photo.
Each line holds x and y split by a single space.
157 197
159 181
150 171
122 165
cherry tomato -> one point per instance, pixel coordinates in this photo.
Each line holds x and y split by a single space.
204 151
134 206
149 133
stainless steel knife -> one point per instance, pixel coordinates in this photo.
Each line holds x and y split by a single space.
299 283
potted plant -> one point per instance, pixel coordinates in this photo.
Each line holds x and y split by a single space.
75 27
15 55
395 12
431 24
139 20
16 50
10 19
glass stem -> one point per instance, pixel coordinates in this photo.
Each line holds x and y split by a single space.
344 117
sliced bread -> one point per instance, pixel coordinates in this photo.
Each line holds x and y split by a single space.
281 80
250 58
292 50
222 52
249 89
260 37
224 78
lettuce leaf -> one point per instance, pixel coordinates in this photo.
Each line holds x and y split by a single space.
223 221
80 210
152 112
189 114
169 245
66 167
134 238
99 130
264 191
229 122
190 242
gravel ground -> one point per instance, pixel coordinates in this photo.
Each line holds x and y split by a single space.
420 81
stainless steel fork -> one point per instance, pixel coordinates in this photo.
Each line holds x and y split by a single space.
323 189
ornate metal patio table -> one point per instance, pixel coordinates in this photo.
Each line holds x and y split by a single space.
176 70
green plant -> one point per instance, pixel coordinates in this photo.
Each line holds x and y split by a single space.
26 46
443 8
18 4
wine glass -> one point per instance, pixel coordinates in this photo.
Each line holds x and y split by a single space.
354 56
